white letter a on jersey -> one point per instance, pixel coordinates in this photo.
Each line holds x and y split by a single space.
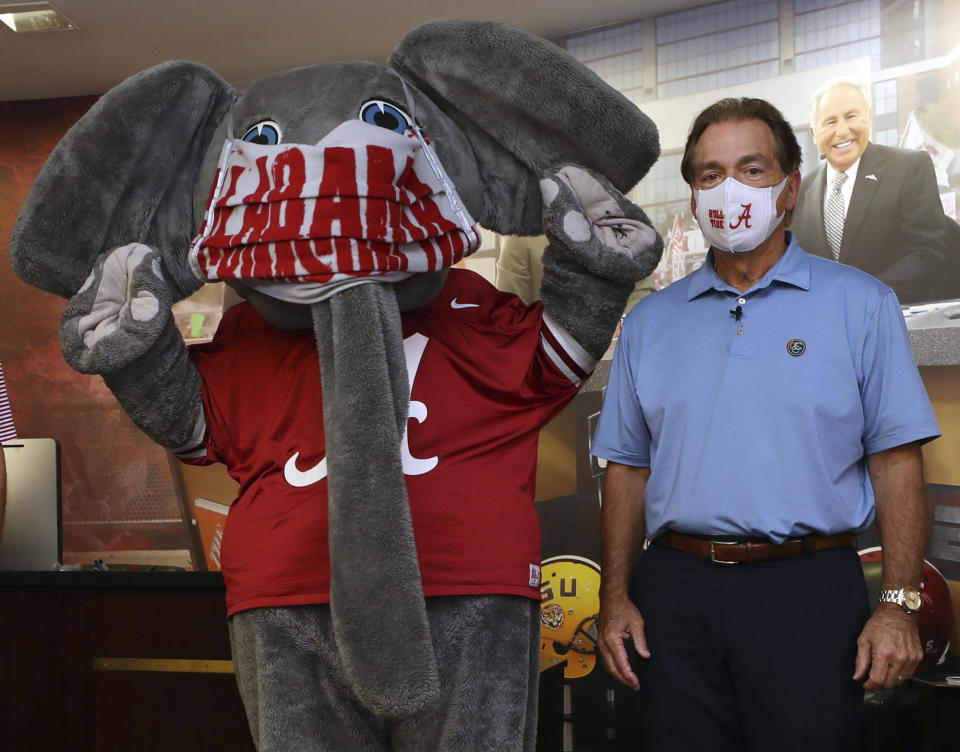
413 347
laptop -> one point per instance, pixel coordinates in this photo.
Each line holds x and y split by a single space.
31 540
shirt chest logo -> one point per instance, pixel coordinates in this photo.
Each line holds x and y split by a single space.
796 347
413 347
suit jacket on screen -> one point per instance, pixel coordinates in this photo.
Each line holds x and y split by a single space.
895 228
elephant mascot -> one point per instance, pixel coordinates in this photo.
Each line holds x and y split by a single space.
382 557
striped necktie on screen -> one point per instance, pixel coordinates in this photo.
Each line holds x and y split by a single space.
834 214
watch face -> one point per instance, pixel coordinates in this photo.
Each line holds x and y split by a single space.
911 599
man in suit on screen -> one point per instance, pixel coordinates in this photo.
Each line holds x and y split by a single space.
871 206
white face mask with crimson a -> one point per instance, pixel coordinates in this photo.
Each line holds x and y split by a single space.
301 222
735 217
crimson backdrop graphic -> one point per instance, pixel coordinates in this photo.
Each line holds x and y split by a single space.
114 478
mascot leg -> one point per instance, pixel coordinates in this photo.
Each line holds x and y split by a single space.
290 677
297 697
488 654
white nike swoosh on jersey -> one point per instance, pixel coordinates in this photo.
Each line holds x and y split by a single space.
301 478
455 304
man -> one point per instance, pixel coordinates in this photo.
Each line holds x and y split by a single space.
871 206
758 411
7 433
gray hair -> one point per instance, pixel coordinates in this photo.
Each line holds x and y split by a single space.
834 83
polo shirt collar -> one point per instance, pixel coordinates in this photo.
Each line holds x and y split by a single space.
793 268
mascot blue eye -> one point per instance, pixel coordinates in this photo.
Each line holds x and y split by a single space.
385 115
266 133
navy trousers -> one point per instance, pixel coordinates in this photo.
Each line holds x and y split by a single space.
755 656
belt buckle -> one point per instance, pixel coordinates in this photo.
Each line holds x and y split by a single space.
713 552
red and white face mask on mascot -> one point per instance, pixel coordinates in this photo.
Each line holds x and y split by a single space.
302 222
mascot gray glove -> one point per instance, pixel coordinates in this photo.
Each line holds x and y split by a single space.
600 245
121 314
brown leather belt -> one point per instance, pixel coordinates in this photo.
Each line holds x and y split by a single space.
738 553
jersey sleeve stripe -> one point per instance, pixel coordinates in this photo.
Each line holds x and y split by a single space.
559 362
194 448
196 454
565 352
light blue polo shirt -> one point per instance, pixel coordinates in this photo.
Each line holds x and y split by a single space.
760 427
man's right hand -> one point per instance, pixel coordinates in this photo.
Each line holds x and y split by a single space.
619 621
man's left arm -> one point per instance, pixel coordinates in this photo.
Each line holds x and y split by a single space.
514 272
3 489
889 649
917 274
7 432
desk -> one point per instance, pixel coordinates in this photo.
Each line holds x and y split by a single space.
939 706
63 689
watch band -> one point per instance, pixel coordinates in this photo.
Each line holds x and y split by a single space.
906 598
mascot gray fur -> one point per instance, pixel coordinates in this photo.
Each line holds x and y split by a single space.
533 142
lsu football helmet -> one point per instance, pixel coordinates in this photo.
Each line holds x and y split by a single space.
935 618
569 603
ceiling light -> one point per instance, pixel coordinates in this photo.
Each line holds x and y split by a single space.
28 17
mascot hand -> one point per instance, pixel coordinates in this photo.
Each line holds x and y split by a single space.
597 225
119 313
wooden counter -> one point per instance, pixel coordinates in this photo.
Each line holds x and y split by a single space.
64 689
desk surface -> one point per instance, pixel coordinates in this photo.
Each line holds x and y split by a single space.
939 681
937 677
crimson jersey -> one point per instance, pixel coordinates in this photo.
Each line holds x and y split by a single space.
486 373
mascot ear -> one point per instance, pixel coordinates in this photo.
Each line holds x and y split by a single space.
525 105
124 173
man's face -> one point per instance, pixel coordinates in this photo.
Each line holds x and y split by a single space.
744 150
841 127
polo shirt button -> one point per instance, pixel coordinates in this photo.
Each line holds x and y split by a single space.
741 301
740 330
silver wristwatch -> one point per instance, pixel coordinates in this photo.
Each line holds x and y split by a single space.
907 598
